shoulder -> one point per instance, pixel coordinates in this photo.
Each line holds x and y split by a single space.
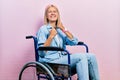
42 29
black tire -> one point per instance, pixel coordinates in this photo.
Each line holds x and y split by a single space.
34 64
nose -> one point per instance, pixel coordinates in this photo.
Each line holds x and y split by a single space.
52 13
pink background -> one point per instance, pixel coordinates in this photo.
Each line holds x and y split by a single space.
96 22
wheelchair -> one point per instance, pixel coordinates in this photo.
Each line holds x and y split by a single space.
49 71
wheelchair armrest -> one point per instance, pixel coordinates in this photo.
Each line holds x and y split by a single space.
51 48
80 43
83 44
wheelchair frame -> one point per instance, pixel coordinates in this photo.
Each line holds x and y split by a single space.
45 66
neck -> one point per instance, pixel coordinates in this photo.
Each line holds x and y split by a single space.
53 24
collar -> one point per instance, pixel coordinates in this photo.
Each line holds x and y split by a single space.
49 26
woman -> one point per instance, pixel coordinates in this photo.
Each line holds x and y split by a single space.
53 33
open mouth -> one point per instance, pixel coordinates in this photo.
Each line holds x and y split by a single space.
53 16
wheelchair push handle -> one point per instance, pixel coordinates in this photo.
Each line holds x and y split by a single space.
29 37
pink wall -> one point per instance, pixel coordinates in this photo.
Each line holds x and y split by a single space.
96 22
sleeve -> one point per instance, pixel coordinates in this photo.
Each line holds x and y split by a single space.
41 36
73 41
67 40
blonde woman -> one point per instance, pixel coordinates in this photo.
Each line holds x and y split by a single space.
53 33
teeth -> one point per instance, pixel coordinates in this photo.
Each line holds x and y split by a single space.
52 16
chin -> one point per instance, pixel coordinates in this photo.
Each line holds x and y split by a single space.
54 20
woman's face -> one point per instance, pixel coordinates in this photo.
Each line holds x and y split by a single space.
52 14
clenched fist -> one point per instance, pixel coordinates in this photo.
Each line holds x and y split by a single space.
53 32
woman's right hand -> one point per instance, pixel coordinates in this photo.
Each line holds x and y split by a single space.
53 32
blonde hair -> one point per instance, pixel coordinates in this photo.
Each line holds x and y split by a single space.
45 15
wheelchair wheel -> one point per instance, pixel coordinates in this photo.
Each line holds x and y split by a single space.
29 71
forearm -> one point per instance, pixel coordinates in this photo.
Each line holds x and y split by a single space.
48 41
53 32
68 34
